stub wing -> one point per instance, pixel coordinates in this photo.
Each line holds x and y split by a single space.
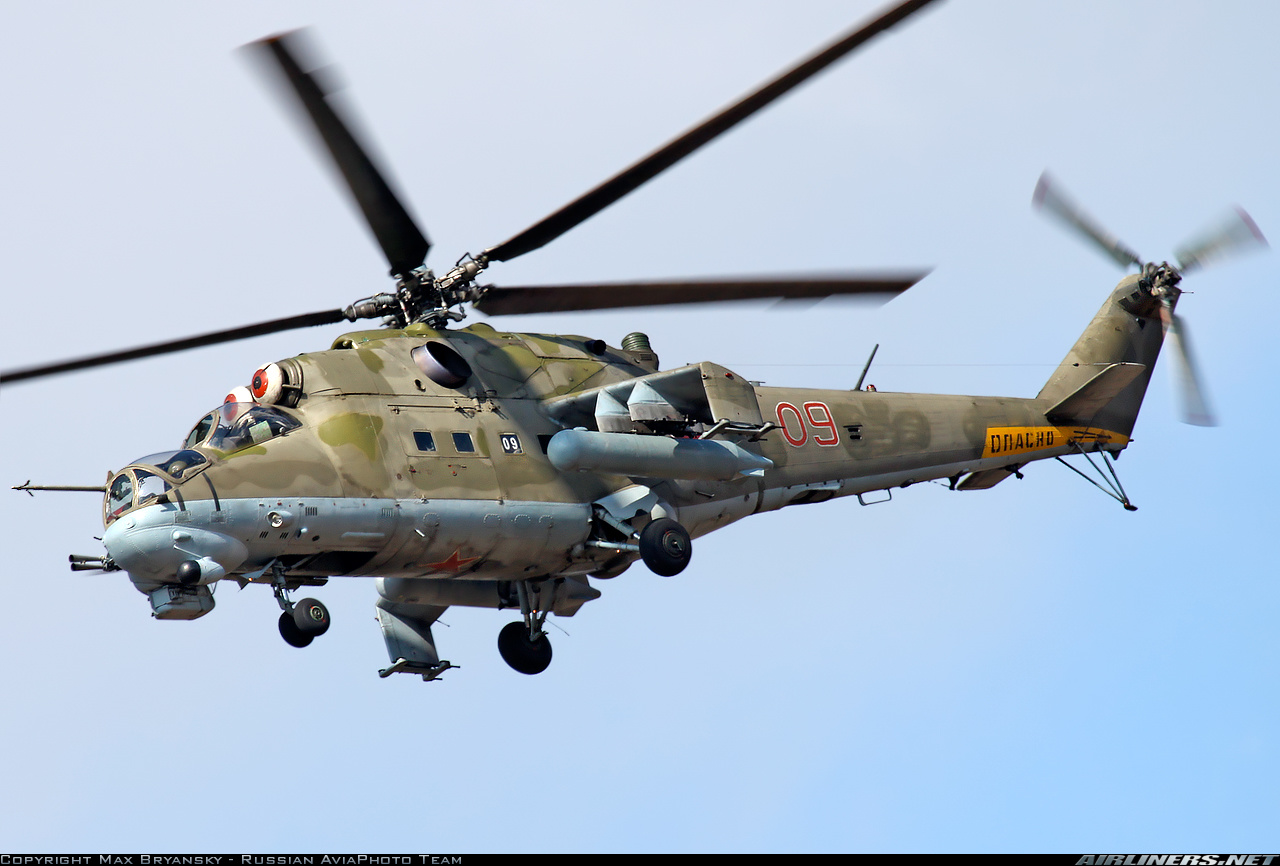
706 393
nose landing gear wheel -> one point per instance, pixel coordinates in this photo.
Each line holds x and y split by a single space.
292 635
665 547
522 654
311 617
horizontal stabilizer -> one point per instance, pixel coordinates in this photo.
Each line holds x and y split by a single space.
1092 396
985 479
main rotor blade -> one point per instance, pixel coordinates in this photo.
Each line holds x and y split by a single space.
1049 198
329 317
629 179
403 243
606 296
1195 409
1236 234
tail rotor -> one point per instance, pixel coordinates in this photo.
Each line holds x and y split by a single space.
1053 201
1195 409
1237 234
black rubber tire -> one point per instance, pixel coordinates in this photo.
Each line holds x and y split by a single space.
311 617
665 547
522 654
289 631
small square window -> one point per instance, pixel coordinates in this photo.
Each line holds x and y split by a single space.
424 440
462 443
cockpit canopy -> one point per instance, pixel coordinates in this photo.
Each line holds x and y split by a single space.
233 426
146 479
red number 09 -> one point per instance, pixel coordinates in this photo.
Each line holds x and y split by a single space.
818 416
825 422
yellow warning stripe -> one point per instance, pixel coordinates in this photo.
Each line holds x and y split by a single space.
1022 440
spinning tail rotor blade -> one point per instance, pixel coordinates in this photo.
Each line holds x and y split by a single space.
1195 410
328 317
602 296
403 243
591 203
1047 197
1236 234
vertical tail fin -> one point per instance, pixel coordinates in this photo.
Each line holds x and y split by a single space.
1102 380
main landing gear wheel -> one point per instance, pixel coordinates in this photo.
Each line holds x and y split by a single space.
300 623
665 547
293 635
311 617
524 655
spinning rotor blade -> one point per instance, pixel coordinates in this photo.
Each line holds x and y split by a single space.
1195 410
604 296
1048 198
1237 233
403 243
324 318
629 179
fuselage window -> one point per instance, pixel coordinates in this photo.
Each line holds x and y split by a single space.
424 440
462 443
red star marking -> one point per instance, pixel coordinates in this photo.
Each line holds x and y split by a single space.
454 563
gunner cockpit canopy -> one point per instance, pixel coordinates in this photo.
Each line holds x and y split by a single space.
146 479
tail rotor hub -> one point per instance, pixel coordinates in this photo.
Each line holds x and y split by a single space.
1161 281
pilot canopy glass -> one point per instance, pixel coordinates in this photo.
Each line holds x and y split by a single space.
234 426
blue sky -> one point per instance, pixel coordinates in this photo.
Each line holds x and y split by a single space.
1028 668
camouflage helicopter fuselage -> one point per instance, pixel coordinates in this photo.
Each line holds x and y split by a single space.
503 470
539 468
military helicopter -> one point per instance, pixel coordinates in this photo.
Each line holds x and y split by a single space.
467 466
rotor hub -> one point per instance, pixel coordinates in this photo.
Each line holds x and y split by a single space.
1161 280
